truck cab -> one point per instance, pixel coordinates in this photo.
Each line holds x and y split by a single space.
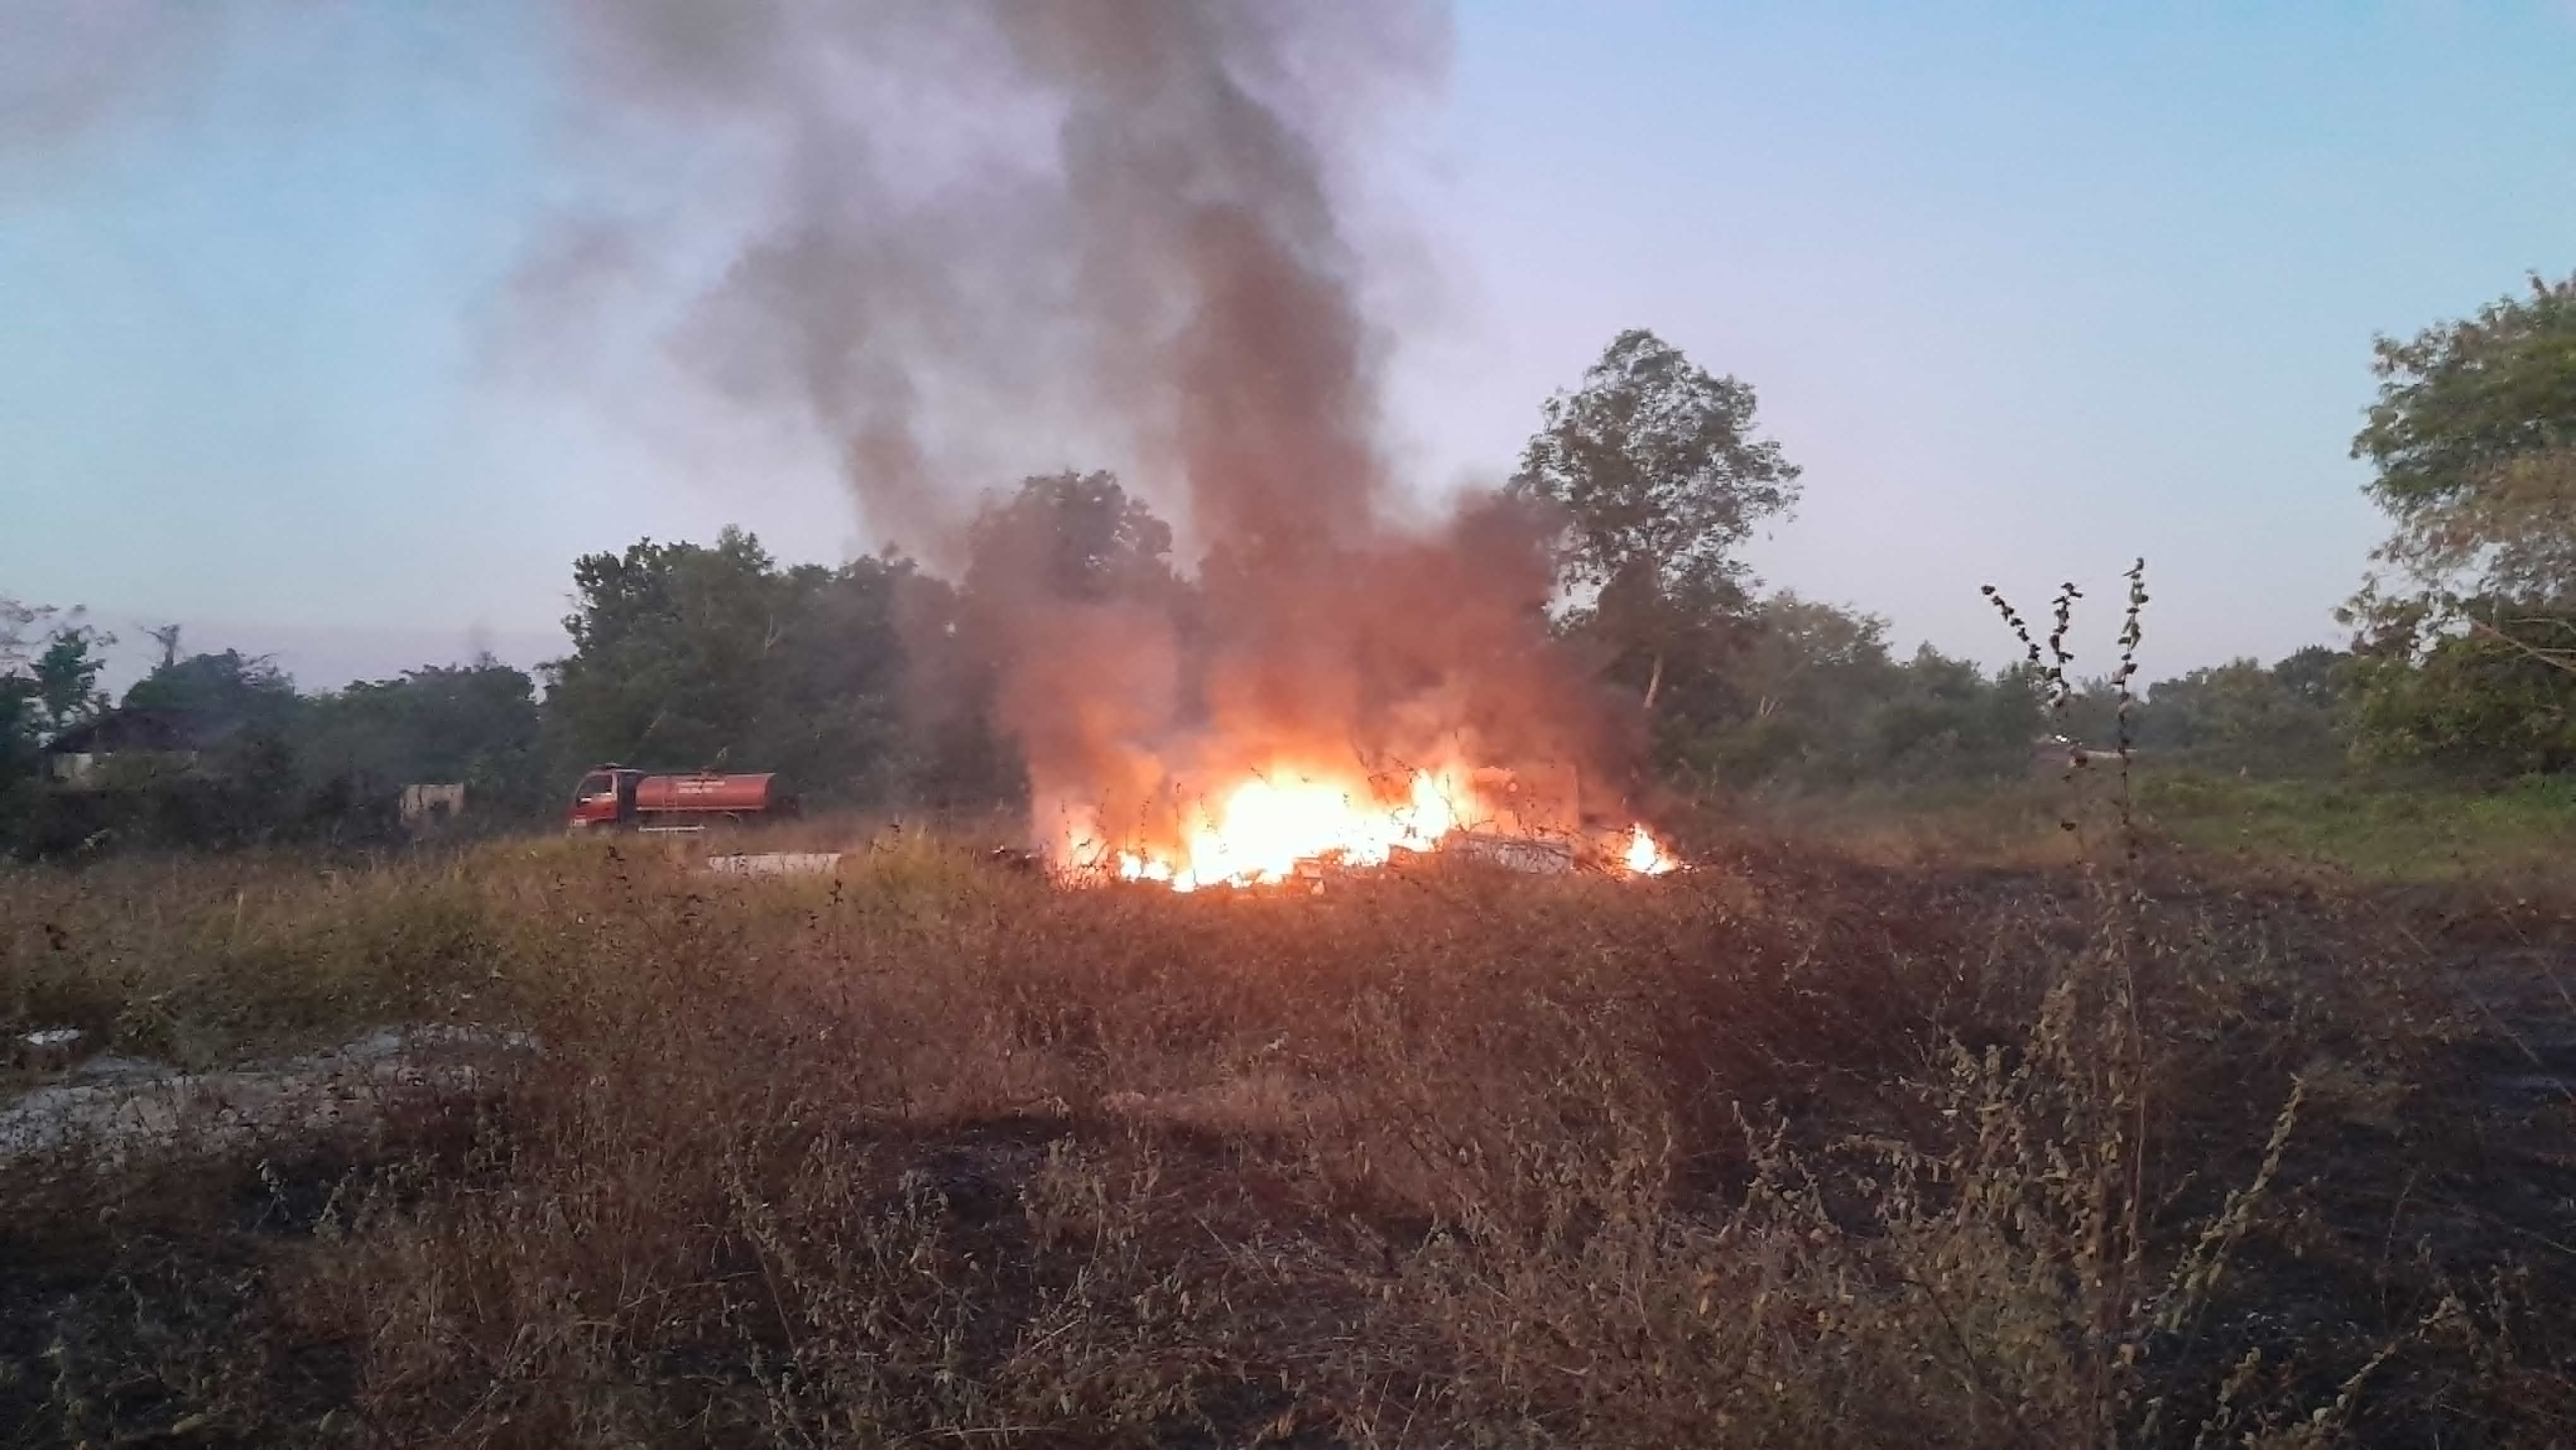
605 797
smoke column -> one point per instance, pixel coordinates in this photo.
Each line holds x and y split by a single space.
998 225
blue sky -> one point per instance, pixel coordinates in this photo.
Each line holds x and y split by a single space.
2027 289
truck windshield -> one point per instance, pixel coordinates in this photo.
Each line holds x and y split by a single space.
591 785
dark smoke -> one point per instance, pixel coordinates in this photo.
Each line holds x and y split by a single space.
998 232
71 67
988 238
1108 219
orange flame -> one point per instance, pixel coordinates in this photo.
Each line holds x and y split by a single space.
1267 826
1647 857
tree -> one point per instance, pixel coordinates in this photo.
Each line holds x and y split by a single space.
669 645
66 676
2314 675
688 656
166 636
1069 536
1824 704
22 711
1948 720
832 696
1803 677
50 660
2244 716
2474 440
1073 620
953 755
219 695
475 724
239 714
2487 701
1655 471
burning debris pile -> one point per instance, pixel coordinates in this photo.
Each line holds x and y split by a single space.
1268 828
1116 223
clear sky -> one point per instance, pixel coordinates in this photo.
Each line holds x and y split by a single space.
2027 289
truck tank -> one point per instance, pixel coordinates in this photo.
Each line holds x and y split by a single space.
703 795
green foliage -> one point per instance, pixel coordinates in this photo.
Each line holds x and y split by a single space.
1070 536
1824 705
669 644
953 756
475 724
2375 827
220 695
2497 696
832 713
1656 475
1656 467
2244 716
65 674
687 656
2474 439
2470 663
49 666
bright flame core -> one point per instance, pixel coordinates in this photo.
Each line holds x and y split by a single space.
1645 856
1267 826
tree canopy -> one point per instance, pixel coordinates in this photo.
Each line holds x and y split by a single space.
2470 654
2474 441
221 694
50 660
1071 536
1655 468
475 724
1656 476
688 656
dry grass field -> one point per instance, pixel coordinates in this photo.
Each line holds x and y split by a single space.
1814 1145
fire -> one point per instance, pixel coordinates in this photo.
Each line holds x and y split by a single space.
1267 826
1645 856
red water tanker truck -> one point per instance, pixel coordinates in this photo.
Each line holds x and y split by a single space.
612 796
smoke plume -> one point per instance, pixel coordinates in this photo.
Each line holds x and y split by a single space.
67 70
991 228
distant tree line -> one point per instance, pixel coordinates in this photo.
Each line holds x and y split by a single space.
874 683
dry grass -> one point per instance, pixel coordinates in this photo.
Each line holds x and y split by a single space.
1798 1150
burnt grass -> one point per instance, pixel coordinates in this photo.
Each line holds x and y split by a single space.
1792 1150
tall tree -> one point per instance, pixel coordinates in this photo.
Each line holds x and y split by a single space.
687 655
2474 441
474 724
1072 616
238 716
23 712
1069 536
50 661
66 675
1822 703
2469 653
1655 471
832 707
669 643
220 695
2244 716
2478 701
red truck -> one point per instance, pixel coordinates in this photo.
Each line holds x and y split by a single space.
612 796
